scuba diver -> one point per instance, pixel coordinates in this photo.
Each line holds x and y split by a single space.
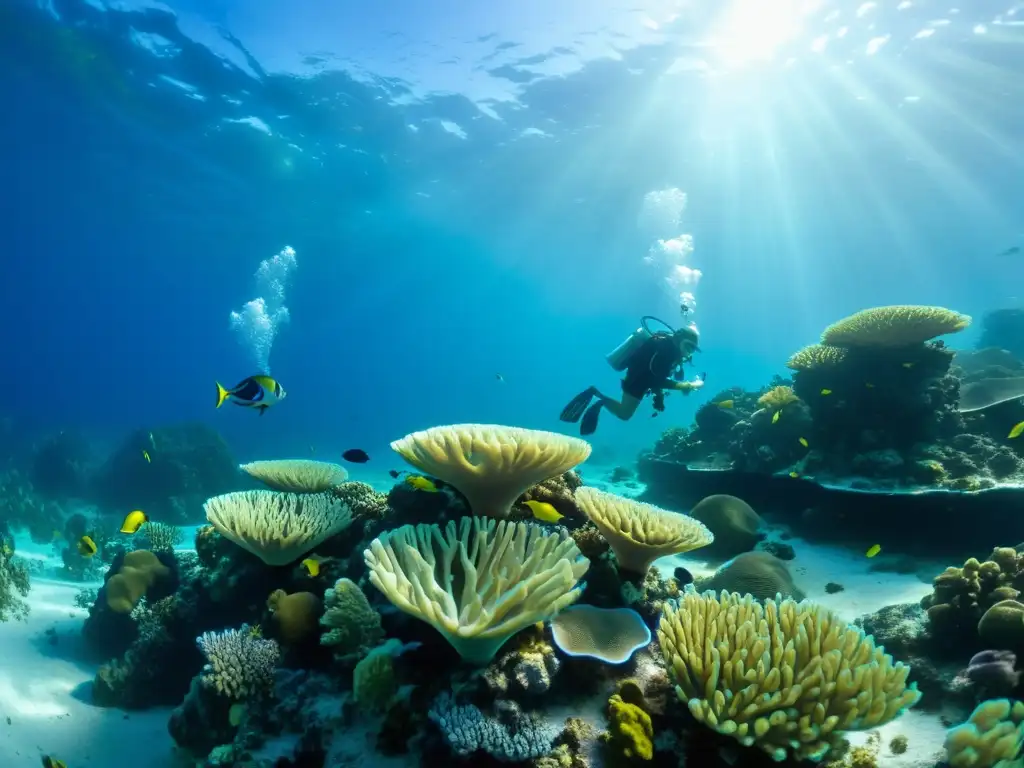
653 364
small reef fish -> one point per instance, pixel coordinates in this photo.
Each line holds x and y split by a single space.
499 377
145 455
726 404
53 762
794 475
1011 251
86 546
826 392
775 417
803 442
421 483
258 392
356 456
312 566
908 365
394 473
1016 431
544 511
875 549
869 385
133 521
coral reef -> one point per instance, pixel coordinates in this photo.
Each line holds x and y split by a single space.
14 582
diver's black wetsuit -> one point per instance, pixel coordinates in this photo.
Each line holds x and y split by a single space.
651 367
649 370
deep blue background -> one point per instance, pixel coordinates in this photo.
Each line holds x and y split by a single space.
134 216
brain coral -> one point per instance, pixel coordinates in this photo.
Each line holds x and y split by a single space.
755 573
734 524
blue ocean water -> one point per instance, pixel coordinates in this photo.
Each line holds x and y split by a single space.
461 186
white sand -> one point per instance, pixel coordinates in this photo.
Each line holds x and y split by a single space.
44 690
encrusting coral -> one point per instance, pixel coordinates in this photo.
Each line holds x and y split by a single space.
296 475
608 634
777 398
786 677
278 528
296 615
630 733
640 533
477 582
137 574
489 464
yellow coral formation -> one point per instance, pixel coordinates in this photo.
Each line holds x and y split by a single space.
296 614
296 475
962 595
640 533
478 581
777 398
787 677
630 731
894 326
816 356
491 465
137 573
278 528
992 737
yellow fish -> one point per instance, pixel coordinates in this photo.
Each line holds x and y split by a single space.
53 762
312 566
826 392
1016 431
908 365
875 549
544 511
803 441
145 455
794 475
133 521
421 483
86 546
775 418
726 403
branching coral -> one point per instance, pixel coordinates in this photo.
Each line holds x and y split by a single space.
477 582
159 537
511 739
992 737
640 533
353 626
777 398
278 528
362 499
239 663
787 677
297 475
894 326
491 465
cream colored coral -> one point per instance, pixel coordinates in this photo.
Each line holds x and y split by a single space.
777 398
278 528
640 533
992 737
786 677
489 464
297 475
478 581
816 356
895 326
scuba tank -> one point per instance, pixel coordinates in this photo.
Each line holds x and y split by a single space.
619 357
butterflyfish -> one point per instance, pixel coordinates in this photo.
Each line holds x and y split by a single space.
1016 431
86 546
133 521
803 441
421 483
312 566
875 549
544 511
259 392
775 416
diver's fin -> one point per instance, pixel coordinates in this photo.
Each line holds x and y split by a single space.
589 424
578 405
222 395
